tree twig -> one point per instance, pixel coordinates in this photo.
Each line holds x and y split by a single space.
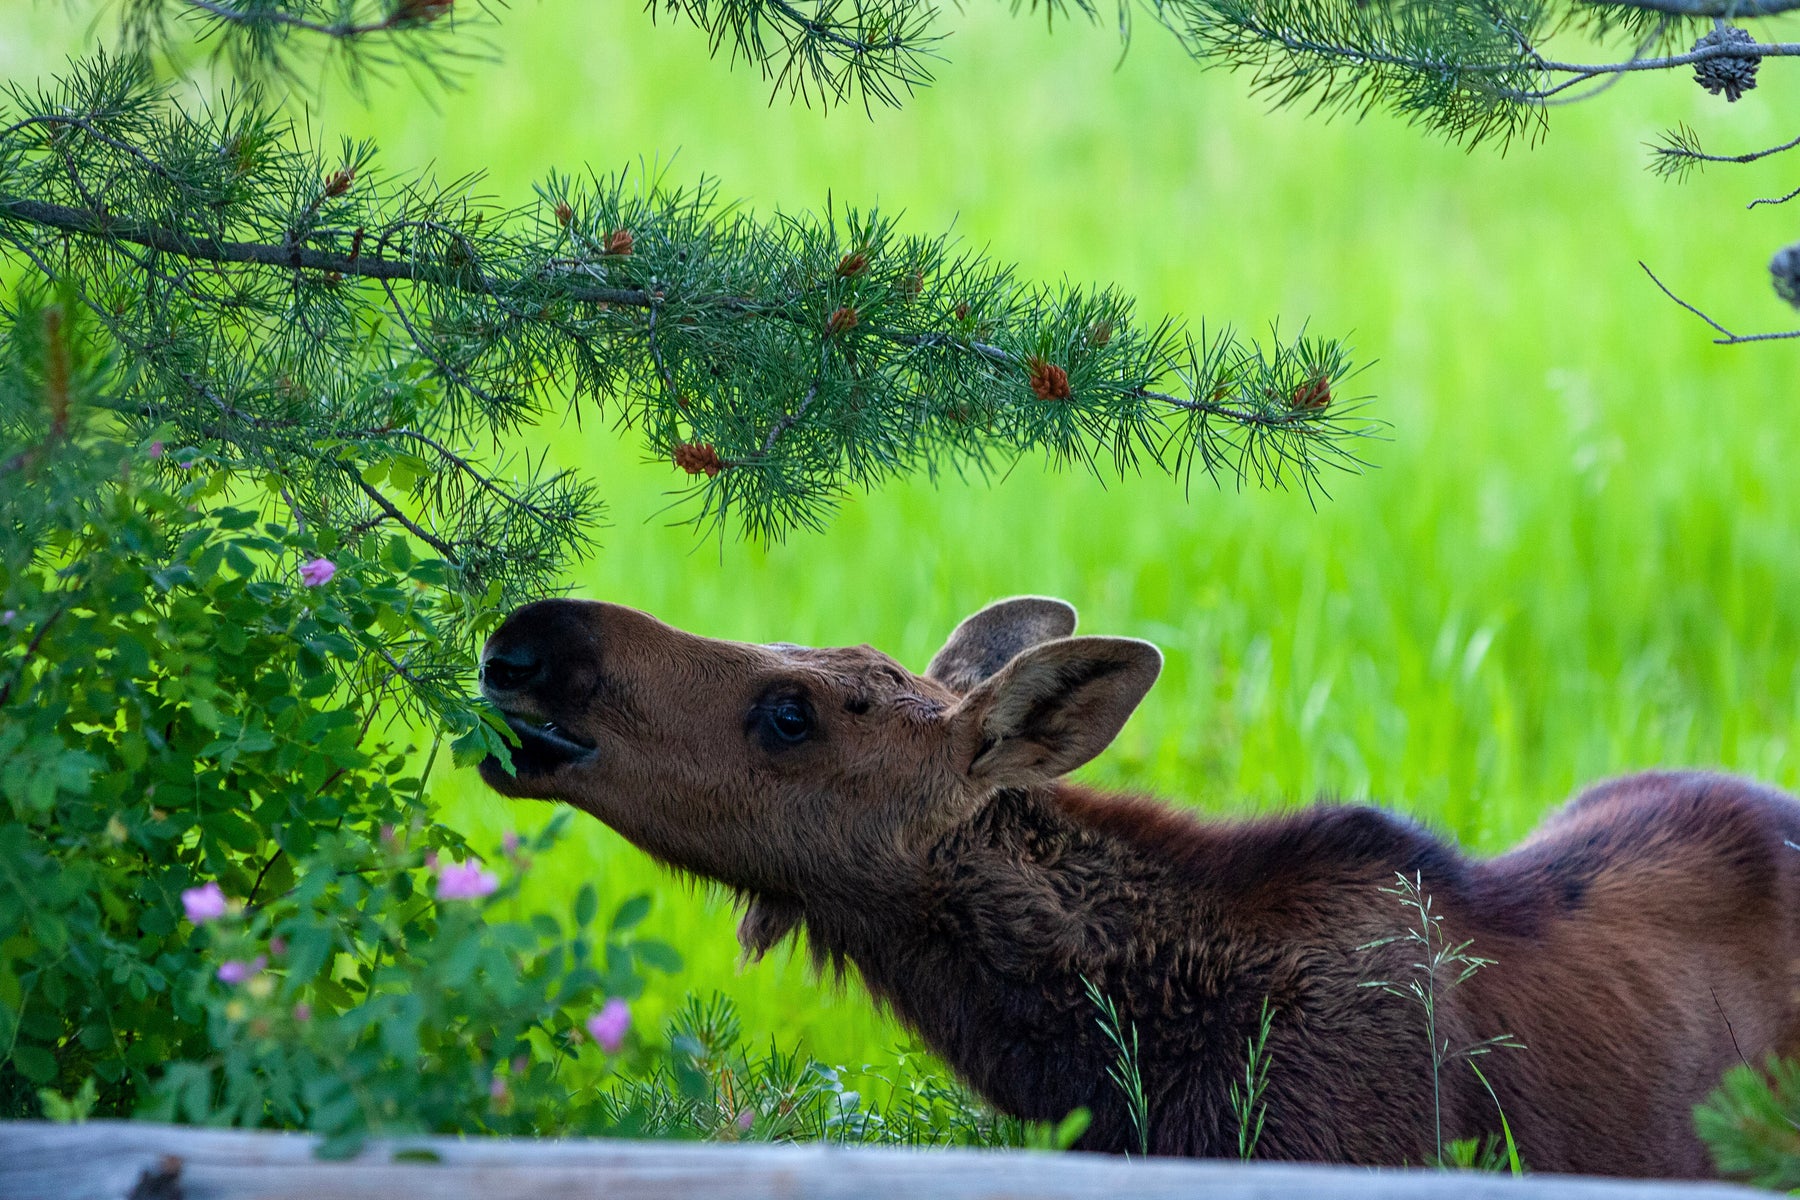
1729 338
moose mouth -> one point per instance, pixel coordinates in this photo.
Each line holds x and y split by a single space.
543 747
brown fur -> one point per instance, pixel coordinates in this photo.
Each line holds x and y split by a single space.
1643 938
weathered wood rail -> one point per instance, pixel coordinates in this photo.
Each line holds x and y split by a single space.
114 1160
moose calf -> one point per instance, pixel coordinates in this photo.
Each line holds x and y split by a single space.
918 827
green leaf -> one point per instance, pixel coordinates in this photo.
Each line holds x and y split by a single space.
658 956
34 1062
630 913
587 906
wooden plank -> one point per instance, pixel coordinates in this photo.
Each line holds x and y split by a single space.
131 1160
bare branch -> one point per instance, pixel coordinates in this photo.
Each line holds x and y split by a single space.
1729 338
1730 10
1774 199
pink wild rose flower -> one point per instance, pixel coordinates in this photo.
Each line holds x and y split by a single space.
465 881
204 903
318 572
608 1026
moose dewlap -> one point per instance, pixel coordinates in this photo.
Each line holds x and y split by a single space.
918 827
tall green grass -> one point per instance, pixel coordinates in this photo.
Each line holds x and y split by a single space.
1579 552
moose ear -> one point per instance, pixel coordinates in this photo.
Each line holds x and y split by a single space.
767 919
1052 708
995 636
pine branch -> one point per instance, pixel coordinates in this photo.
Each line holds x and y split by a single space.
278 38
788 362
1681 152
877 50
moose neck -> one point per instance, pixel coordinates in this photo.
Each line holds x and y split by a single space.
989 951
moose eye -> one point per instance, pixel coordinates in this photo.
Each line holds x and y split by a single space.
791 720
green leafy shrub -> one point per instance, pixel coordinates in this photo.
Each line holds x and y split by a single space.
192 700
363 1002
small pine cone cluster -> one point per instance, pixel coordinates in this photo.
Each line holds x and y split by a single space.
1732 74
340 181
853 264
842 320
1785 268
1048 380
564 214
618 242
419 11
1314 394
698 458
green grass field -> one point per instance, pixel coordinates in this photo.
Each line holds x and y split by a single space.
1577 553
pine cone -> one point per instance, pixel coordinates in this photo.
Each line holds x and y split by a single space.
564 214
1048 380
698 458
853 264
1732 74
618 242
340 181
1100 334
1313 394
1785 267
842 320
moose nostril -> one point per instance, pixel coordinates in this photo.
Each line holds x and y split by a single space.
512 669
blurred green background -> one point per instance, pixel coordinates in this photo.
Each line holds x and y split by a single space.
1576 554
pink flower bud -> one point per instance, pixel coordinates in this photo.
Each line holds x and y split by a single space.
509 841
156 449
303 1012
277 945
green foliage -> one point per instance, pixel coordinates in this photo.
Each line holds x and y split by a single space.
1751 1124
186 700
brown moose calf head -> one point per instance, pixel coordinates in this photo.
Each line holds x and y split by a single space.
786 772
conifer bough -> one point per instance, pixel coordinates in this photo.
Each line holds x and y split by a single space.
1471 71
348 335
